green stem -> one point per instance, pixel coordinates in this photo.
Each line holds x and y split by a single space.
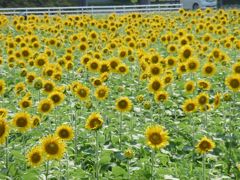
97 158
75 138
128 168
203 166
120 131
6 153
47 170
153 164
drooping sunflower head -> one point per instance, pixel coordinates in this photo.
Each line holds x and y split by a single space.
65 132
123 104
35 121
45 106
35 157
2 86
53 147
101 92
94 121
190 105
4 130
205 145
22 121
217 100
236 68
3 113
204 84
156 137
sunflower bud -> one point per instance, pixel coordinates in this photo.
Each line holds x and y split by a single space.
128 153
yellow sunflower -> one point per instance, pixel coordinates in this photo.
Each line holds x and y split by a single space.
208 69
155 69
2 86
35 157
4 130
155 84
157 137
35 121
189 105
22 121
56 97
25 103
101 92
161 96
48 86
82 92
45 106
205 145
65 132
53 147
217 100
192 65
94 121
123 104
202 99
189 86
204 84
233 82
236 68
186 52
3 113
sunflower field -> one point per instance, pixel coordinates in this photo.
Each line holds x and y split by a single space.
120 96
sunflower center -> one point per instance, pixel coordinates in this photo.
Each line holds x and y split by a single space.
82 92
56 98
155 70
101 93
113 64
48 87
2 129
97 82
25 104
190 107
94 123
94 65
122 104
21 122
122 54
83 47
189 87
25 53
234 83
154 59
156 85
202 100
122 69
192 65
104 68
45 107
209 69
172 48
52 148
41 62
155 138
237 69
50 72
183 68
204 145
216 54
187 53
170 62
167 79
64 133
162 97
36 157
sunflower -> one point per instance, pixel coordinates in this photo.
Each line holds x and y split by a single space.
22 121
171 48
233 82
114 63
205 145
53 147
26 52
189 86
236 68
181 68
167 79
155 69
156 136
161 96
19 88
202 99
3 113
171 61
155 84
101 92
204 84
45 106
122 69
35 121
25 103
2 86
208 69
192 65
41 60
48 86
65 132
35 157
93 65
82 92
189 105
123 104
186 52
56 97
4 130
30 77
104 67
129 153
94 121
217 100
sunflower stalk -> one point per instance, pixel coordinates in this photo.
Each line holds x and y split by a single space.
47 170
6 154
153 164
203 166
75 138
128 168
97 157
120 131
